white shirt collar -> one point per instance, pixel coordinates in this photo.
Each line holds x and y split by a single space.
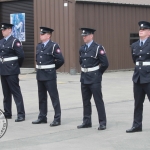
6 38
89 44
45 43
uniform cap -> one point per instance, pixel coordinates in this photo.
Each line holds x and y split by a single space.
6 26
87 31
44 30
144 25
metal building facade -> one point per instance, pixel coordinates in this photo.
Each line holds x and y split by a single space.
114 23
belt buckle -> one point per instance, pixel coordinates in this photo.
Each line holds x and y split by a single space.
140 63
85 69
39 67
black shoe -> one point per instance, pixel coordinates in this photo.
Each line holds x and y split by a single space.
101 127
19 119
55 123
84 126
39 121
134 129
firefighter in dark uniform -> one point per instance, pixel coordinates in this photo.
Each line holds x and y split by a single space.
11 59
93 63
48 58
141 76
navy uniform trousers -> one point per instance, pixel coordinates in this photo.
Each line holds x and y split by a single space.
51 87
87 91
140 91
10 86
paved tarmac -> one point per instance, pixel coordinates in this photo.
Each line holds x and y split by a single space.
118 97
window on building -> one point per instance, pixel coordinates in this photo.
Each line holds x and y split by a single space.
134 37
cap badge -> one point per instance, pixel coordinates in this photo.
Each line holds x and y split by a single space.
83 31
141 25
2 25
41 29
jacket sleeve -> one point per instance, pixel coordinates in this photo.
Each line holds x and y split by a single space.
18 48
59 59
103 59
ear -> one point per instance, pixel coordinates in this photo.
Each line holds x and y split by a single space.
149 33
10 30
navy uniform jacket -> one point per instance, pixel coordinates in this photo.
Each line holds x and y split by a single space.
92 58
47 56
11 48
141 54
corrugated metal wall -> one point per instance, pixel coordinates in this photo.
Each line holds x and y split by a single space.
113 23
23 6
53 14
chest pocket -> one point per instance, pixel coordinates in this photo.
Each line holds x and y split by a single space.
136 52
6 50
37 52
148 52
133 51
8 47
90 54
49 52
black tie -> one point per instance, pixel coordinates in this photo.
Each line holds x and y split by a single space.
42 46
141 44
86 47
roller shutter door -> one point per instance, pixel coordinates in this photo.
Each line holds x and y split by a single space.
23 6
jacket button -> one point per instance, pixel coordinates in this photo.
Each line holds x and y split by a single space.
40 62
84 59
140 50
12 64
139 56
40 56
41 51
139 68
2 51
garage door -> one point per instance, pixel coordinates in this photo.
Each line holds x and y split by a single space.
18 7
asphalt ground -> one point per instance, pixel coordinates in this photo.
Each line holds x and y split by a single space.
117 90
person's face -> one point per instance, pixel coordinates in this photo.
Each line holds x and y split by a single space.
45 37
143 33
88 38
6 32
